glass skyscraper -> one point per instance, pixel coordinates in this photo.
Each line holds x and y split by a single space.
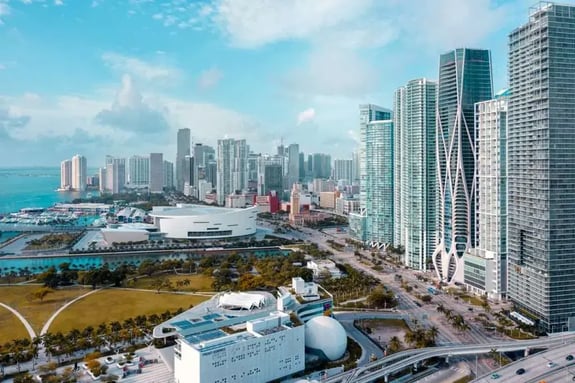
415 178
541 167
464 79
369 168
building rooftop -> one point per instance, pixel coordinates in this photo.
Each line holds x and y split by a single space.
189 210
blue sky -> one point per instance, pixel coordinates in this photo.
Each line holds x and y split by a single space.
120 77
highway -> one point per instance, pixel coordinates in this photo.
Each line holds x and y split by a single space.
536 368
406 359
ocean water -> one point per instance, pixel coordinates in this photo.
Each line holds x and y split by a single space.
32 187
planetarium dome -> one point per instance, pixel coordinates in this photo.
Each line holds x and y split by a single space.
326 337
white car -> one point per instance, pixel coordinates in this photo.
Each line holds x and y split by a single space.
550 364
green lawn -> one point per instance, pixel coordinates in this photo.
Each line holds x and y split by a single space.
117 305
385 323
10 327
36 312
198 282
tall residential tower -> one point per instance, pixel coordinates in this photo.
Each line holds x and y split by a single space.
415 179
183 150
464 79
541 167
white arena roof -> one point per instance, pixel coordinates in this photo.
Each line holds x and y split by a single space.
242 301
190 210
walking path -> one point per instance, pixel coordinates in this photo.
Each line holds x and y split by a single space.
25 322
57 312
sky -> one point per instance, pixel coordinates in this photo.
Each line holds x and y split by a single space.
120 77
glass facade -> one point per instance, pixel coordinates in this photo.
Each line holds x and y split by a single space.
541 167
464 79
378 182
415 215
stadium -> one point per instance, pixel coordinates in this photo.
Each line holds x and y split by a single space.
204 222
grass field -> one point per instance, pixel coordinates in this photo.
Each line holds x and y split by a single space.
117 305
198 282
33 310
10 327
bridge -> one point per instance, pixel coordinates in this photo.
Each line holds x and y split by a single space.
392 364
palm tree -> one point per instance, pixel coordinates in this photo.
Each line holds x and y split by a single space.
432 333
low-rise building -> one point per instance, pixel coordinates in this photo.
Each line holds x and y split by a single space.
324 267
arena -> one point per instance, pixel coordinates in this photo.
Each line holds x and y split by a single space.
204 222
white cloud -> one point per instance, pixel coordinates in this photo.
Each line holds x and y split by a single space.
2 66
140 69
58 3
307 115
210 78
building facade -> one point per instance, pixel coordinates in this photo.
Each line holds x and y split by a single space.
541 167
415 192
139 171
183 149
491 192
66 175
79 172
293 162
156 172
464 79
232 167
343 170
115 174
168 174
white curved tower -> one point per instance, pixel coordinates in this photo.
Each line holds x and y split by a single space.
464 79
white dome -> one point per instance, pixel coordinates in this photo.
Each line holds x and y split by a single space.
326 336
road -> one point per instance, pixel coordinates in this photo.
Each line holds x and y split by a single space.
536 368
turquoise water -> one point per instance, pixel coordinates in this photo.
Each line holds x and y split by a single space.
31 187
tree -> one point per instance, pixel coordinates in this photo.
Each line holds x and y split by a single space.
380 298
394 345
42 292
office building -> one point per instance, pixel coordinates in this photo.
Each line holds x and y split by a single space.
156 172
415 172
321 165
541 167
66 175
371 139
485 266
138 171
115 174
232 167
293 160
343 170
79 172
183 150
203 154
464 79
168 175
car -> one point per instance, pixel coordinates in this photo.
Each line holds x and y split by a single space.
521 371
550 364
569 357
495 376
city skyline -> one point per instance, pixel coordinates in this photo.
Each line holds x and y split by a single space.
114 91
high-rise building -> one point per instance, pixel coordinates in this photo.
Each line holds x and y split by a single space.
102 177
343 170
139 171
415 177
270 174
115 174
321 165
79 172
464 79
168 175
202 155
66 175
301 166
485 266
293 165
541 167
294 213
355 166
183 150
378 182
372 137
232 167
156 172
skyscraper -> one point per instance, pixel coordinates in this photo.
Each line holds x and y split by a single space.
139 171
415 192
464 79
270 174
156 172
377 182
486 265
293 165
168 175
79 172
541 167
202 155
183 150
115 174
232 167
342 170
66 175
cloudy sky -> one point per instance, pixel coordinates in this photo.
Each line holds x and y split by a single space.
120 77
